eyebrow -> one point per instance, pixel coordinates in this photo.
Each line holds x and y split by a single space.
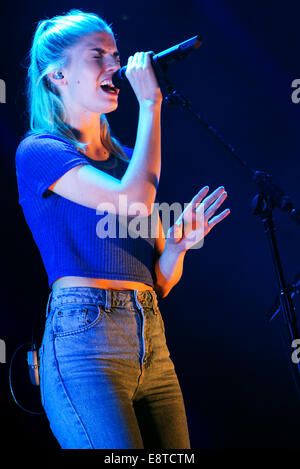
98 49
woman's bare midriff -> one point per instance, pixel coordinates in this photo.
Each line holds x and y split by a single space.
64 282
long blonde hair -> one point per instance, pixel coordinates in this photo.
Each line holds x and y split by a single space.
48 53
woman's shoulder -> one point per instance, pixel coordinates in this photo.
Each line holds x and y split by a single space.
37 151
42 142
48 138
33 145
40 138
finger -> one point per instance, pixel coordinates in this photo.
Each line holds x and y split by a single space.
149 68
217 204
147 62
212 197
196 201
129 64
201 194
136 60
140 59
193 205
148 56
177 231
218 218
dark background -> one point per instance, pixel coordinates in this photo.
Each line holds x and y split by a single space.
231 362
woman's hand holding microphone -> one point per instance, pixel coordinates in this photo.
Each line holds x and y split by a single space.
141 76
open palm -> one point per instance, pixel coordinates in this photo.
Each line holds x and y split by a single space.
195 222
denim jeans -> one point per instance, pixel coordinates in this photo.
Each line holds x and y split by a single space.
106 376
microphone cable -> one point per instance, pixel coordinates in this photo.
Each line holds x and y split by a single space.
10 380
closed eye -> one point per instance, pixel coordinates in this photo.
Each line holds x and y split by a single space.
101 52
101 57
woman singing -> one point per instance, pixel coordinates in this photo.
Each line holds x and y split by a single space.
106 376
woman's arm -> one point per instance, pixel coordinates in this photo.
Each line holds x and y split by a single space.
169 264
188 230
89 186
142 176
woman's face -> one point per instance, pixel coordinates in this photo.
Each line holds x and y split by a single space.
94 59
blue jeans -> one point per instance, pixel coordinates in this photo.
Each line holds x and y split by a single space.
106 377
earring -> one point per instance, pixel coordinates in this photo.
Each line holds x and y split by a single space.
58 75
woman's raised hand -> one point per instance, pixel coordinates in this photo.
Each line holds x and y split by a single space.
195 222
142 79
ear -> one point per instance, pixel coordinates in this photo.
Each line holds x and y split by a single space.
57 78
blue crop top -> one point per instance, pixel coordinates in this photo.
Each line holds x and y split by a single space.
64 231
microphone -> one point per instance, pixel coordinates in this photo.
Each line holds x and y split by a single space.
161 61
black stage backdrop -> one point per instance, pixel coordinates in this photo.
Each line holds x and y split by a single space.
234 372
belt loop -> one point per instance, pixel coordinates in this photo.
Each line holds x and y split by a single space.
155 303
136 300
48 304
107 300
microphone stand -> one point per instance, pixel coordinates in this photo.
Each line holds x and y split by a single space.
268 197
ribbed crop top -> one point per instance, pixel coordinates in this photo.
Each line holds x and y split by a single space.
64 231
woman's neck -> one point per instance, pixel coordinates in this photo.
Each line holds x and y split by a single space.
88 129
96 153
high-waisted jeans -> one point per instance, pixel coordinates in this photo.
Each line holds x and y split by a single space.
106 376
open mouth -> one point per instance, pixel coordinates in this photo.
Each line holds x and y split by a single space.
108 87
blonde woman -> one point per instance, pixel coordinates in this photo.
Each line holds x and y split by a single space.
107 379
